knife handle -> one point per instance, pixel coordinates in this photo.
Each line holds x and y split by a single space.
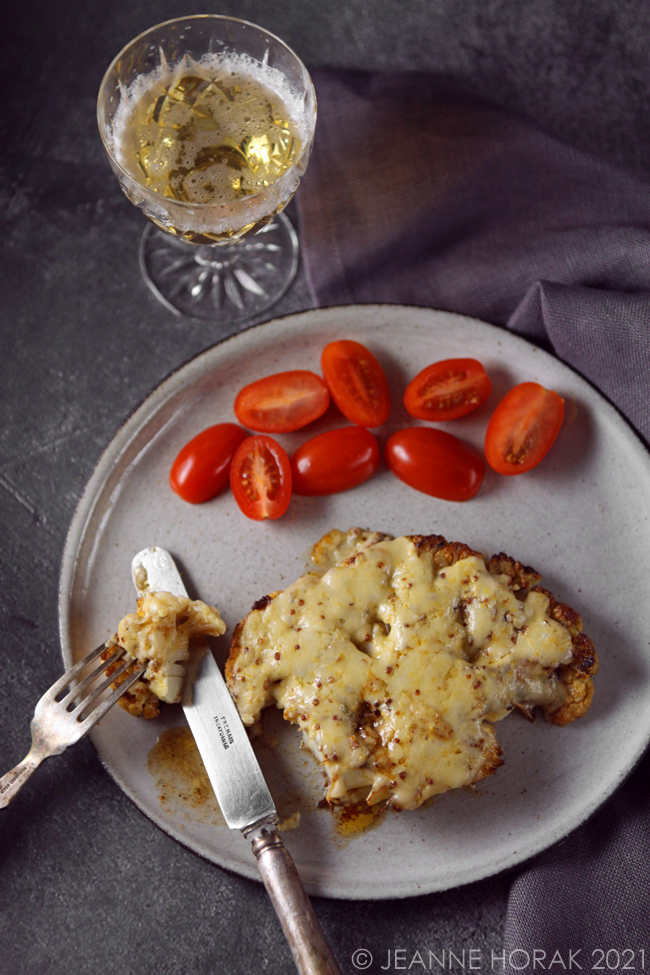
309 948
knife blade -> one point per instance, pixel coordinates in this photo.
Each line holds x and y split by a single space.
237 780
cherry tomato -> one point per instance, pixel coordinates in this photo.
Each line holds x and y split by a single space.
447 389
334 461
260 478
357 383
523 428
202 467
434 462
283 402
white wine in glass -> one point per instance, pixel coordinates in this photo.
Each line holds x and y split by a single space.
208 123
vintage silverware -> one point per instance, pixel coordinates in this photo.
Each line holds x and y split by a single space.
238 783
68 711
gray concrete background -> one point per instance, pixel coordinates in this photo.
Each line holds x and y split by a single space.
87 884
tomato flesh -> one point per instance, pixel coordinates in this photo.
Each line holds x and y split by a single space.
523 428
357 383
334 461
435 462
447 389
283 402
260 478
201 469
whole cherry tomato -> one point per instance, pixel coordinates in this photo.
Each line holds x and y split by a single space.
523 428
202 468
334 461
447 389
434 462
283 402
260 478
357 383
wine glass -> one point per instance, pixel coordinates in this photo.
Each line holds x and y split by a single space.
208 123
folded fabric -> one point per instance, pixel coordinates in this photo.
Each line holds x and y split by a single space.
419 193
605 335
422 194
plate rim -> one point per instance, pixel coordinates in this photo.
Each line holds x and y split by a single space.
89 498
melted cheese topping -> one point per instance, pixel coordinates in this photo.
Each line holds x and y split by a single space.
159 634
337 546
392 669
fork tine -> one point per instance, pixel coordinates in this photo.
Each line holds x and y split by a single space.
92 676
108 702
95 692
69 675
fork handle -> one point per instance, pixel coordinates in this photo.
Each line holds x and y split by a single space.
310 950
12 782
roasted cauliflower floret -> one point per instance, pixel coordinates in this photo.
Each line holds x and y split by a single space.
159 635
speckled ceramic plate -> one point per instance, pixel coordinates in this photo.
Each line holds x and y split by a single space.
581 519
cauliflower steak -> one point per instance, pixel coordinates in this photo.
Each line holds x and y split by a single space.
396 661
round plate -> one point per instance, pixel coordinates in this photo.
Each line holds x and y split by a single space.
581 518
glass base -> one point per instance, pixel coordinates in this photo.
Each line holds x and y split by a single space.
229 283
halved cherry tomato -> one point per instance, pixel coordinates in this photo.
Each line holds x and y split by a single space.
434 462
202 467
357 383
260 478
523 428
447 389
334 461
283 402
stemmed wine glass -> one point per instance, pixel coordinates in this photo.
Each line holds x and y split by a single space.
208 123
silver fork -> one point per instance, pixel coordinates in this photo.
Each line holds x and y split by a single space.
67 712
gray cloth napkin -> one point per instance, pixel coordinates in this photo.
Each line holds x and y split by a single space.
422 194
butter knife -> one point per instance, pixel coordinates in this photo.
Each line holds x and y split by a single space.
237 780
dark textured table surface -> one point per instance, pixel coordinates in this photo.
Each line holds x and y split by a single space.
87 884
